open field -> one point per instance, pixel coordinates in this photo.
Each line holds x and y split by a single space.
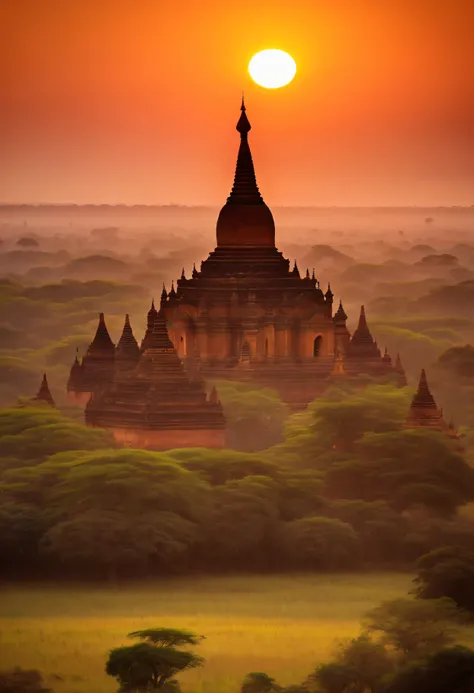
282 625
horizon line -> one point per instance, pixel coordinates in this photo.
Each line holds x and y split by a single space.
210 206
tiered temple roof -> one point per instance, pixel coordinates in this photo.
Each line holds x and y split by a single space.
128 351
244 314
362 344
157 405
423 411
98 365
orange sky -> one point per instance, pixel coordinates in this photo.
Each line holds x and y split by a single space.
114 101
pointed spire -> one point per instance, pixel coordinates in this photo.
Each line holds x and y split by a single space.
183 274
172 293
152 313
386 357
340 316
423 410
296 271
159 337
44 394
423 396
195 272
245 190
127 347
314 280
329 294
307 274
101 341
362 333
164 296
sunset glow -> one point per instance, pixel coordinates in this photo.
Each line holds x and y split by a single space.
272 68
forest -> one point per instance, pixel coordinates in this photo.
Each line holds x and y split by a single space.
339 496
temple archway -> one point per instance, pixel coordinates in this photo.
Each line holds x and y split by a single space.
317 346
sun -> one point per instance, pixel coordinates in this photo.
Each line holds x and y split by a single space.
272 68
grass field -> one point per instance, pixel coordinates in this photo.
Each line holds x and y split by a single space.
283 625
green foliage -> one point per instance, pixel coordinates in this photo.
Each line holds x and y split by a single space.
255 416
413 627
319 543
106 542
449 670
220 466
150 666
22 681
34 433
243 520
359 666
447 572
406 468
341 418
258 682
167 637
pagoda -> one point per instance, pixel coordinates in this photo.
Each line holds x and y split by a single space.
97 368
245 314
155 404
44 393
424 413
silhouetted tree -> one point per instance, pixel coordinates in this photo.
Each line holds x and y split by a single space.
153 663
447 572
447 671
22 681
358 667
415 628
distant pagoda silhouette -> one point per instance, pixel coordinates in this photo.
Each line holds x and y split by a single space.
424 412
44 393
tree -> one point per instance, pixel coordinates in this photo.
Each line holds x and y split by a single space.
259 682
243 521
415 628
153 663
358 667
447 572
255 416
341 418
319 543
22 681
167 637
447 671
109 542
388 464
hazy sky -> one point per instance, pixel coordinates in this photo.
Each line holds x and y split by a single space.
136 101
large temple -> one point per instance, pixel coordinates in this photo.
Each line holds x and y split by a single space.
246 314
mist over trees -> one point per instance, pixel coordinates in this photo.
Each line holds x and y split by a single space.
338 486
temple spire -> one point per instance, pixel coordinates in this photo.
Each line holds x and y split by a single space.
44 393
127 347
164 295
245 189
245 219
423 396
362 333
